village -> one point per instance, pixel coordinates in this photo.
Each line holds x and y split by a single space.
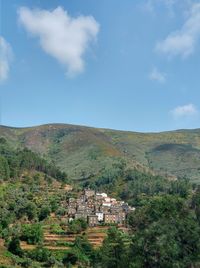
98 208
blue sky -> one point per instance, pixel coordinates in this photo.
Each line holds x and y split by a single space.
131 65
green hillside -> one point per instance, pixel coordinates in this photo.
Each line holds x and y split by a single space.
85 152
35 230
175 153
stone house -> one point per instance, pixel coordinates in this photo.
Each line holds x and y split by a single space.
92 220
104 209
116 209
81 207
97 208
71 211
89 193
80 215
110 218
121 217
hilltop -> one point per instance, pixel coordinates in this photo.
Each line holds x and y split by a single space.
83 152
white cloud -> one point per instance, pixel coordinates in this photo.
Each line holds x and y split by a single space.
171 6
183 42
188 110
5 58
63 37
153 5
156 75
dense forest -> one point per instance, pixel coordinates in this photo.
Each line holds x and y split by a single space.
163 231
14 162
133 185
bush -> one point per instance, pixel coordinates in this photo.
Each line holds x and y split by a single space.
32 233
61 211
22 262
77 226
14 246
44 213
40 254
70 258
56 229
84 246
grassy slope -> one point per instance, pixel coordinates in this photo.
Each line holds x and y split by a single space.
176 153
83 151
5 260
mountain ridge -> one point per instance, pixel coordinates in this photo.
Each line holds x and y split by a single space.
84 151
100 128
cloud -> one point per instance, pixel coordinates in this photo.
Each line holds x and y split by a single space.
5 58
153 5
183 42
188 110
63 37
156 75
171 6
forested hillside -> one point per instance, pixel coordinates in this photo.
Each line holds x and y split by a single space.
13 162
164 230
31 188
83 152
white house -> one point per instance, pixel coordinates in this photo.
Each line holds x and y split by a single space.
107 199
102 194
106 204
113 200
100 216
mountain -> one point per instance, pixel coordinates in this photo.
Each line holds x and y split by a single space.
83 152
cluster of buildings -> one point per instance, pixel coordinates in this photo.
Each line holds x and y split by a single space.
97 208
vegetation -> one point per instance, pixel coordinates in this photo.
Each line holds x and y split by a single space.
132 185
164 230
114 252
32 233
77 226
14 162
84 152
166 234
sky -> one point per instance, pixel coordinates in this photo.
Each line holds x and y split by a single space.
129 65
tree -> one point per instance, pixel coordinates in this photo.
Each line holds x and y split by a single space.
14 246
166 234
44 213
196 203
77 226
32 233
40 254
31 210
4 169
70 259
84 246
113 253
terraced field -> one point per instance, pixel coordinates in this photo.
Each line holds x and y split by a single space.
95 235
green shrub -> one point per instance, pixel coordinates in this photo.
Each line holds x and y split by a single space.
40 254
70 258
44 213
56 229
14 246
32 233
77 226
